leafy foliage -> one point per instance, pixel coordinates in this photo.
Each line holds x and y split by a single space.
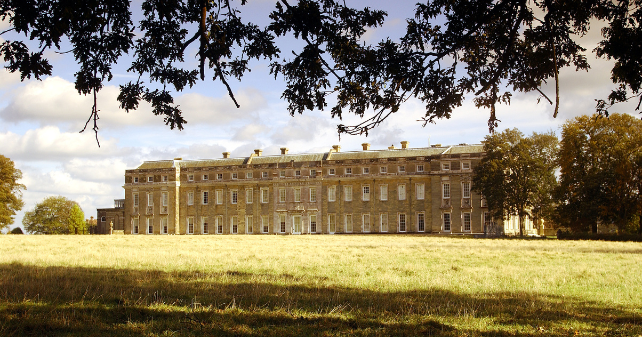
17 230
10 191
55 215
601 172
451 49
517 175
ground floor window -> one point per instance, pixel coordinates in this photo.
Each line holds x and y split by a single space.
218 222
446 224
421 222
135 226
164 228
249 224
366 223
296 224
205 226
190 225
234 225
282 223
402 222
384 222
150 226
348 223
332 223
466 219
265 225
313 223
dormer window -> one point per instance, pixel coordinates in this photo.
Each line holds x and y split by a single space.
206 177
348 170
445 166
150 179
190 177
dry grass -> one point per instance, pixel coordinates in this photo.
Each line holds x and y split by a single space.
317 285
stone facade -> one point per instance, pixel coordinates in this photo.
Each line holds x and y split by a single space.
115 215
406 190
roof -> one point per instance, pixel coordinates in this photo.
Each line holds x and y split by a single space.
315 157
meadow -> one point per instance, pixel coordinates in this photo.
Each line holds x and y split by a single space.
341 285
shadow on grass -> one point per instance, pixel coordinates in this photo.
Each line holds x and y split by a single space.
75 301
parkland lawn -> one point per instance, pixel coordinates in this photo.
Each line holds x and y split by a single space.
317 286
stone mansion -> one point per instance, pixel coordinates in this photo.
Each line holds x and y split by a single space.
395 190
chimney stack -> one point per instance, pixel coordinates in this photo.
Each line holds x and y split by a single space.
336 148
391 147
284 150
366 146
404 144
226 154
258 152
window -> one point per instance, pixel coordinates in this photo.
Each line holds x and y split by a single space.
164 199
401 169
281 194
249 195
401 191
347 192
366 193
282 223
190 177
265 224
332 193
297 173
421 222
150 226
465 165
466 219
488 221
313 223
348 170
383 169
164 178
150 179
366 223
234 225
296 224
420 168
206 197
205 227
135 226
383 192
366 170
135 180
264 175
219 176
313 194
445 166
332 223
218 222
135 195
402 222
219 197
265 195
313 173
249 175
445 190
164 229
235 196
446 225
235 175
190 198
421 188
465 189
297 194
331 171
484 203
384 222
150 199
103 218
206 177
282 174
190 225
348 223
249 224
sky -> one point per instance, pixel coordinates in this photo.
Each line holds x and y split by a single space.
40 120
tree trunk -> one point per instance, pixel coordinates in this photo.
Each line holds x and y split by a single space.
521 225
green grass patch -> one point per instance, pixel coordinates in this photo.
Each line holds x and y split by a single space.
317 285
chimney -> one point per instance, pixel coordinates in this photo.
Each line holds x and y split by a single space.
336 148
391 147
366 146
284 150
178 158
258 152
226 154
404 144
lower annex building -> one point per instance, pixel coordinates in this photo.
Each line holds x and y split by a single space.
395 190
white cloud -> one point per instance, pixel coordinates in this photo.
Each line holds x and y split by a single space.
300 128
110 170
48 143
249 132
221 110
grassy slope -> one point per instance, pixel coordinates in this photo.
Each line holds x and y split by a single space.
317 285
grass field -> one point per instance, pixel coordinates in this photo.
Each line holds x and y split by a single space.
317 285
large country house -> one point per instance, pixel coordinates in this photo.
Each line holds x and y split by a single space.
396 190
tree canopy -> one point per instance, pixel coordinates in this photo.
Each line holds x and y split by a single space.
10 191
55 215
451 49
600 172
517 175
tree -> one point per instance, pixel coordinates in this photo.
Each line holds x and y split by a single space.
600 172
17 230
517 175
451 49
54 215
10 191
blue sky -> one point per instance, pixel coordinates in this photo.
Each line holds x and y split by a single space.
40 120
